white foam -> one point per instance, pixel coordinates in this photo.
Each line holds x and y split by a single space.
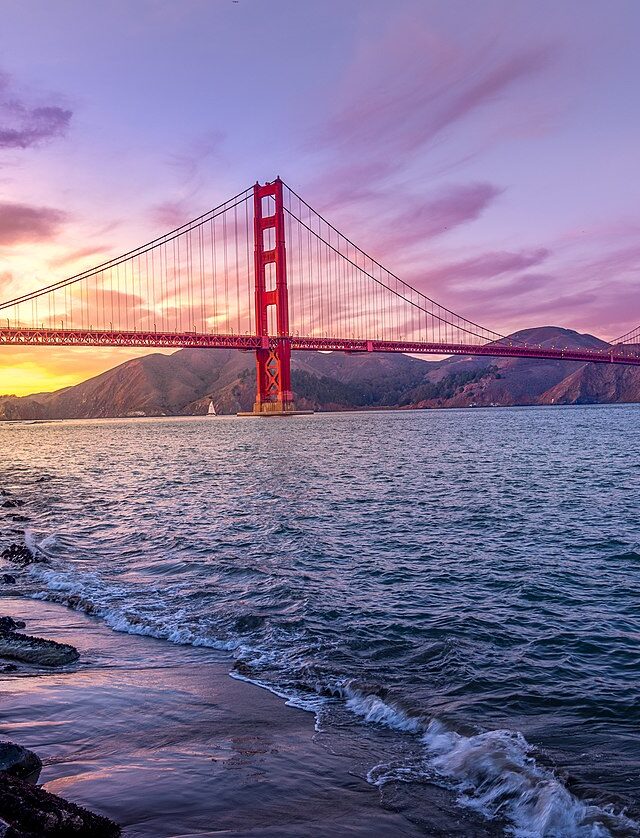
87 594
35 546
373 709
495 773
311 704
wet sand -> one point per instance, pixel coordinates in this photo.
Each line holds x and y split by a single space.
162 740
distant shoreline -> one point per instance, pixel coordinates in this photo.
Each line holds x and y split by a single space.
362 410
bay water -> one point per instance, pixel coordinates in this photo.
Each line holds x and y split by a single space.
454 594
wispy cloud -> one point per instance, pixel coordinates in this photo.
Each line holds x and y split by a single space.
405 92
558 285
23 124
189 162
6 280
171 214
471 273
25 223
82 253
424 219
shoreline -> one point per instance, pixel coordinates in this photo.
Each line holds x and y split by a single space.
119 739
163 740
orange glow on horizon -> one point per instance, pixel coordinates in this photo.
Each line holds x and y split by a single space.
25 372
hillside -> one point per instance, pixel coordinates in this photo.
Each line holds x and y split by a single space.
485 381
183 383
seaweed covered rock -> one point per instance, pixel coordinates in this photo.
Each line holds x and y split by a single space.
36 650
31 812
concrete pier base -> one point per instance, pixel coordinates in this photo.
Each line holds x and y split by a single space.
268 414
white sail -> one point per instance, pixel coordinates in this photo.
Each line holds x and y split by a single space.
212 410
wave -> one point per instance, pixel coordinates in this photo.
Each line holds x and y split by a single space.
373 708
493 772
84 596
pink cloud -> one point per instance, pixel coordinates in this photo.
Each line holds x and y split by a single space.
76 255
170 214
6 280
25 223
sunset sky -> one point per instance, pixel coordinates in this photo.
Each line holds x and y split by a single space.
487 152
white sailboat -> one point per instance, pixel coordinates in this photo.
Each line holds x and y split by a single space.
212 410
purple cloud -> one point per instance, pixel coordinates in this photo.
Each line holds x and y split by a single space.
409 113
427 219
485 266
23 126
25 223
503 290
405 91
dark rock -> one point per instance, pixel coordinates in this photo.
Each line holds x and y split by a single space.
8 579
12 504
18 761
20 554
9 624
36 650
19 519
9 667
32 812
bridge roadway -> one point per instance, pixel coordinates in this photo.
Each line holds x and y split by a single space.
17 336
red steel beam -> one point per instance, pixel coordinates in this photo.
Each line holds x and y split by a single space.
94 337
178 340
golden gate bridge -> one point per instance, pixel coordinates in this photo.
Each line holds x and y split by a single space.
262 272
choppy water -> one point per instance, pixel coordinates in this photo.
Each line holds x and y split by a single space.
455 593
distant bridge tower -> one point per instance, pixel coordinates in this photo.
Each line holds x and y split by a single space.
273 359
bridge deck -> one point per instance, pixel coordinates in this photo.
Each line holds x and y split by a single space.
627 354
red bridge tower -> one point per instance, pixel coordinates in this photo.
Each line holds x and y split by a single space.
273 359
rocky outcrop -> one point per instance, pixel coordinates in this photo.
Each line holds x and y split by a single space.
31 812
596 384
9 624
20 555
36 650
18 761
